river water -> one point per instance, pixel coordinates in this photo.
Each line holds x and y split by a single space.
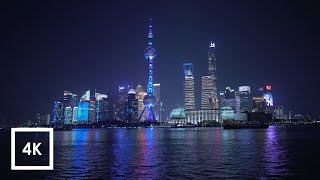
168 153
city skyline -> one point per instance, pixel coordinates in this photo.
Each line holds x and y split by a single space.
56 55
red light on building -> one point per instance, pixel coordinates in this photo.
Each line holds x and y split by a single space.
268 87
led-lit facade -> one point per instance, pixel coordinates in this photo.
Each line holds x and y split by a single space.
267 95
189 99
83 112
57 113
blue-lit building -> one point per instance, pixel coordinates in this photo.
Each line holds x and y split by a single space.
83 112
89 97
57 118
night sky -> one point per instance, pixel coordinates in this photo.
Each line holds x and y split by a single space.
49 47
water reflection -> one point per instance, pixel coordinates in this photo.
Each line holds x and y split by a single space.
275 161
205 153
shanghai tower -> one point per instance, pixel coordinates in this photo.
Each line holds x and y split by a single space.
149 100
209 98
213 67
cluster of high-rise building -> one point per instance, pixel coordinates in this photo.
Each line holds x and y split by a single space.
234 103
209 100
129 106
98 108
136 105
228 104
91 108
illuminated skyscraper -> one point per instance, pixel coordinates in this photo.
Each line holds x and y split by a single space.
207 92
259 104
213 67
121 107
132 108
83 112
57 113
68 113
209 98
140 94
245 99
189 100
88 97
103 108
69 99
230 98
149 100
69 102
75 115
157 111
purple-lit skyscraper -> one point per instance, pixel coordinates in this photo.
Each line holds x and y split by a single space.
149 100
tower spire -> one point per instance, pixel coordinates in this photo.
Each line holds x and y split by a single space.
150 35
150 26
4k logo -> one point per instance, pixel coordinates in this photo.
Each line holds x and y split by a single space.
27 150
32 149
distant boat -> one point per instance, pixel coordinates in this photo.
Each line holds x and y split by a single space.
181 126
245 126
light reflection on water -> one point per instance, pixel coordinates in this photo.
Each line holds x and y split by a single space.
169 153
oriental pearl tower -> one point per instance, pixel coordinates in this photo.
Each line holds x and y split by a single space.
149 100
